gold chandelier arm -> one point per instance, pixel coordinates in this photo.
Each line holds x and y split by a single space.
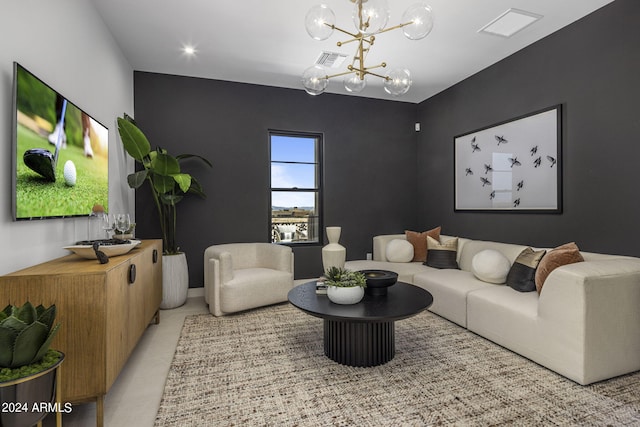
376 75
333 27
341 74
381 65
360 14
358 38
361 72
395 27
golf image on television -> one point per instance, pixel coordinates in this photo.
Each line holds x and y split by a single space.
61 156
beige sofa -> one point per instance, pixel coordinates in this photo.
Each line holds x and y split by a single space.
584 325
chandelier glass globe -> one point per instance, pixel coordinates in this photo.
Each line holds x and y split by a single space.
421 17
314 80
353 83
398 82
375 15
319 21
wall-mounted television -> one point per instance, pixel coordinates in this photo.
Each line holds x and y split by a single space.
60 153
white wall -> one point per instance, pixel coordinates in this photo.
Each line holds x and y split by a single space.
66 44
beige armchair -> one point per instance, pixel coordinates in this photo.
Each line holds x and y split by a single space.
240 276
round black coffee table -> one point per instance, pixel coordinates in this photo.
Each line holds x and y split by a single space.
361 334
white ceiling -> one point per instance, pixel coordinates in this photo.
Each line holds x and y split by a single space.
265 41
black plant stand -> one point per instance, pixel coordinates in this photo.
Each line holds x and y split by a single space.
362 334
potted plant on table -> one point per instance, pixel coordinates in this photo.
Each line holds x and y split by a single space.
27 364
345 286
168 186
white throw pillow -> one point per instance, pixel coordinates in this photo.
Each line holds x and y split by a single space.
490 266
399 250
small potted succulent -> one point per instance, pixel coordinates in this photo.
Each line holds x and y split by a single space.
345 286
27 365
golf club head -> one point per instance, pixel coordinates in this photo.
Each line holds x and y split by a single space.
41 161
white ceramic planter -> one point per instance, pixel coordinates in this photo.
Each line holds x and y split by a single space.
345 296
175 280
333 254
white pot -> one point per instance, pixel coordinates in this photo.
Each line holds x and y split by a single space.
340 295
175 280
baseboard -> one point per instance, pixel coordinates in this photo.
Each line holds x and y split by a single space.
195 292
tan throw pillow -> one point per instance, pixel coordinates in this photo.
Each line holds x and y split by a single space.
562 255
419 242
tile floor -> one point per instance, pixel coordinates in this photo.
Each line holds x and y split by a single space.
135 396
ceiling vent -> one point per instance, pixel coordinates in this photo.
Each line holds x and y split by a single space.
331 59
510 22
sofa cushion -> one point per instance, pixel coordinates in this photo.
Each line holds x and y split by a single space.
399 250
442 255
419 242
490 266
522 275
450 289
510 318
562 255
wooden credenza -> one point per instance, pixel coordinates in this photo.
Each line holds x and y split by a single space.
103 309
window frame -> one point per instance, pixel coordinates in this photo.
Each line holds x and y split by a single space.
319 161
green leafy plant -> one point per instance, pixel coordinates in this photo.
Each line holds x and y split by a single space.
343 278
25 334
168 183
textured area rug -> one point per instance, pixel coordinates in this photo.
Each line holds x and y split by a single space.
267 367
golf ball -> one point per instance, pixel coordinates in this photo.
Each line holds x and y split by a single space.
69 173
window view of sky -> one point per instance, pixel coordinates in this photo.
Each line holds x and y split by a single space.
288 175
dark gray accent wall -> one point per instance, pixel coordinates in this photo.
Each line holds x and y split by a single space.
592 68
369 162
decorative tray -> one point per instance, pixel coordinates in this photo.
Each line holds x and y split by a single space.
86 251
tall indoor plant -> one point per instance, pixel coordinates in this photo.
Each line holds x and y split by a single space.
168 186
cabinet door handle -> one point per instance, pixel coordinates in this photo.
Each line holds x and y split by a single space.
132 273
155 256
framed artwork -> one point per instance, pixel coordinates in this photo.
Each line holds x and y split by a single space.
512 166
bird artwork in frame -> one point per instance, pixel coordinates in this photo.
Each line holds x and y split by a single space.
517 164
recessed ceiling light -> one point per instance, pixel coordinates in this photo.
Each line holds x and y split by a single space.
510 22
189 50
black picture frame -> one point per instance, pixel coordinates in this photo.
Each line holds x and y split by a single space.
511 166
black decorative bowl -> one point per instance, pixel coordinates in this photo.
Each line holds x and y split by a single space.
378 281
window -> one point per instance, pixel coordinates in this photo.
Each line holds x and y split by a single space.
295 187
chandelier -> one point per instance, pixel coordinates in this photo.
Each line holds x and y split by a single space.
370 18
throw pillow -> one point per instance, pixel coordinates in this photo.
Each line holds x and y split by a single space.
562 255
522 275
419 242
442 255
490 266
399 250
